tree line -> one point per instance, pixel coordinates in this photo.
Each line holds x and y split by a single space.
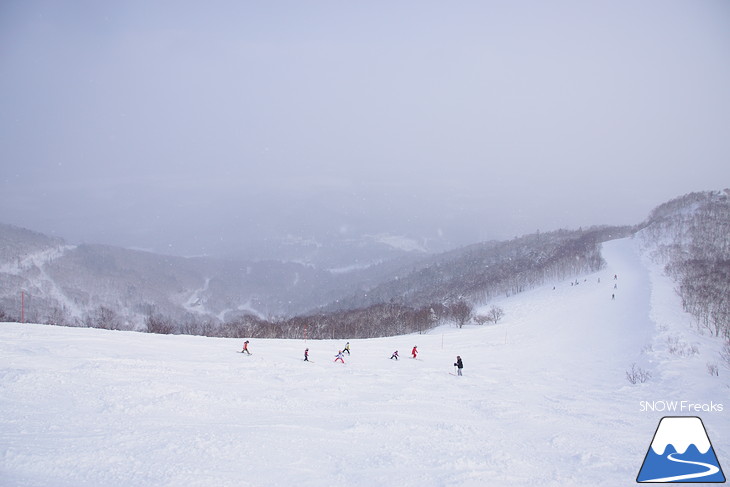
444 289
384 319
692 236
482 272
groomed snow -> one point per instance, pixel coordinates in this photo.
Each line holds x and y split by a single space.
544 398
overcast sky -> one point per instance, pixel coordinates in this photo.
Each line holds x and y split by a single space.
189 127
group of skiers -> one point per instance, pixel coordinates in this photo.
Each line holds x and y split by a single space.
615 285
340 356
414 353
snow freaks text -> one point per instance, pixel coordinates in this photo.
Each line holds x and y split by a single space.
680 407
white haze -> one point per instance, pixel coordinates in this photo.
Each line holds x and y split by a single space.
190 128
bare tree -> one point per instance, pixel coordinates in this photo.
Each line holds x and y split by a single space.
103 317
637 375
495 314
159 324
461 311
5 316
725 353
59 316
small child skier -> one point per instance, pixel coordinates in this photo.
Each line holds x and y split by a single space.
347 348
414 352
339 357
395 355
306 355
459 365
245 348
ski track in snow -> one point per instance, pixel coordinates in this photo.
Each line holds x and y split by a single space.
543 400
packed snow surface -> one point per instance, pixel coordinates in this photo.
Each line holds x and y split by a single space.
544 398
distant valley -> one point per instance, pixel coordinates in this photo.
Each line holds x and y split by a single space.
49 281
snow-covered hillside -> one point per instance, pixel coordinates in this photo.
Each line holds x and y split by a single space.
544 399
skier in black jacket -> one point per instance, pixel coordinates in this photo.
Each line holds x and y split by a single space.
459 365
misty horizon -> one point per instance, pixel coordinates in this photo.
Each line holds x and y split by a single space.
234 127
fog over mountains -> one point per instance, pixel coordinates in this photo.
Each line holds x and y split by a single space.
50 281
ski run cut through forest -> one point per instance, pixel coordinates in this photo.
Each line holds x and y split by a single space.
544 397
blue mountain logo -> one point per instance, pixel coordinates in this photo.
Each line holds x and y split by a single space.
681 452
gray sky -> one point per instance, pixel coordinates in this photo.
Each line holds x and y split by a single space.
198 127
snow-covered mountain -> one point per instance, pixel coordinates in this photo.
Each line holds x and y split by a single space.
66 284
111 287
479 272
544 399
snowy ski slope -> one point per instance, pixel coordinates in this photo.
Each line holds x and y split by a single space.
544 398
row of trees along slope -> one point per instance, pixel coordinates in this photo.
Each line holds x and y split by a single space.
690 235
444 288
413 299
480 272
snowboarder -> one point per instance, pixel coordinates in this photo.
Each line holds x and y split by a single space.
459 365
414 352
245 348
347 348
395 355
306 355
339 357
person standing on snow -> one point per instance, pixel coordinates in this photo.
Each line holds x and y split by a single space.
245 348
414 352
459 365
347 348
339 357
395 355
306 355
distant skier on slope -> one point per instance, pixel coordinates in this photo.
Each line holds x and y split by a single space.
414 352
347 348
340 357
245 348
459 364
306 355
395 355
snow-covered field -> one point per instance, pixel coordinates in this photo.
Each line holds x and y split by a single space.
544 398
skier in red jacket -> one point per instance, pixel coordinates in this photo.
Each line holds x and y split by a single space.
414 352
